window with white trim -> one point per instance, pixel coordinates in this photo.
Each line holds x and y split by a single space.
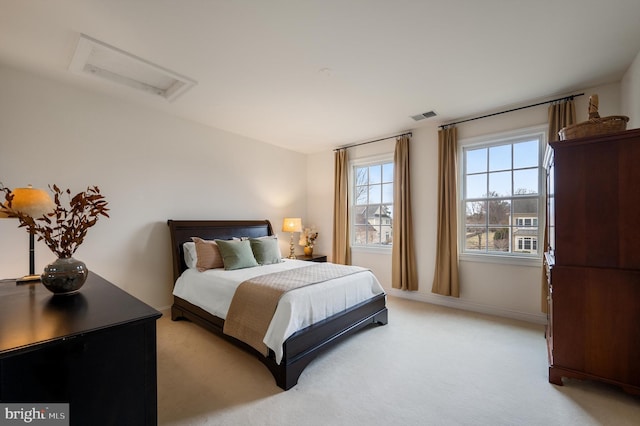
526 221
527 244
372 208
502 196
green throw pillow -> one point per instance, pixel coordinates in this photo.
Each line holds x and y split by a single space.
266 250
236 254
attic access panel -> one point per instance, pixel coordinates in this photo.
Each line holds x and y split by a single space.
100 60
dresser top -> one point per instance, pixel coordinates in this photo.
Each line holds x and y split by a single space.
631 135
31 316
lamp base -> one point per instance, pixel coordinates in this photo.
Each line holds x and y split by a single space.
292 252
28 279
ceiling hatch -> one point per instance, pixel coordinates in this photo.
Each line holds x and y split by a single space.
101 60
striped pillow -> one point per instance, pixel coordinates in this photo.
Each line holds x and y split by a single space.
209 256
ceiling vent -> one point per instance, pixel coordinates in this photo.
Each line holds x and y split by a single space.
100 60
423 115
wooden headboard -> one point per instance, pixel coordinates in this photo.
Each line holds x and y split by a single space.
183 230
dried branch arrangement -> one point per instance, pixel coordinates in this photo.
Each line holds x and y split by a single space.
65 227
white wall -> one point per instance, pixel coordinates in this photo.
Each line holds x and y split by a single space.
506 290
150 166
319 179
630 88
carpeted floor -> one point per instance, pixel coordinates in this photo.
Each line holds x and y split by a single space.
430 365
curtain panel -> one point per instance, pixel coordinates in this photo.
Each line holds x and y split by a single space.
445 279
341 251
403 264
561 114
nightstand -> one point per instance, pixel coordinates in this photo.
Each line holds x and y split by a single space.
313 257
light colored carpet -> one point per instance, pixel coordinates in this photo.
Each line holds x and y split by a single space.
430 365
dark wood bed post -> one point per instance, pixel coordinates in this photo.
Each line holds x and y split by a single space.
300 348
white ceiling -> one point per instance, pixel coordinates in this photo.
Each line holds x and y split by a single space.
312 75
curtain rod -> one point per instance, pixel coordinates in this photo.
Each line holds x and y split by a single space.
377 140
511 110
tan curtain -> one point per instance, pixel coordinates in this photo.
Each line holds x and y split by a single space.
403 265
445 278
341 250
561 114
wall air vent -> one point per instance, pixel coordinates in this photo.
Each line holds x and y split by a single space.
101 60
424 115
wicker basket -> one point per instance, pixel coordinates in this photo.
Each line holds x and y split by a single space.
595 125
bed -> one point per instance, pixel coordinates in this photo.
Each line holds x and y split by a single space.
301 347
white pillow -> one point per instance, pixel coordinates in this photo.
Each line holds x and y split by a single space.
190 255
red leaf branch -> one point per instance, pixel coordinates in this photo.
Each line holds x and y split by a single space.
63 229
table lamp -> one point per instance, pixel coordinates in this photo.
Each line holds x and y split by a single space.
292 224
35 203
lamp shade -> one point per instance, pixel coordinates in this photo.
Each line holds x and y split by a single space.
292 224
31 201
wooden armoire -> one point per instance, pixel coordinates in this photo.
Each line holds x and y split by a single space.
593 259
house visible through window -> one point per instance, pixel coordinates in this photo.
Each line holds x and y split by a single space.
372 212
502 197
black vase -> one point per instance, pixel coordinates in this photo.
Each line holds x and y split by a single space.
64 276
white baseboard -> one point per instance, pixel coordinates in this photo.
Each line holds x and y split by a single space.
456 303
165 310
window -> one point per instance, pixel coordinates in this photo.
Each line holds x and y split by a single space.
527 221
372 212
502 199
527 243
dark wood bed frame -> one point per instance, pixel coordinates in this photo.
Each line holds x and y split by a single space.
300 348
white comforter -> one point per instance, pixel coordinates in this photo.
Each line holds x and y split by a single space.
212 290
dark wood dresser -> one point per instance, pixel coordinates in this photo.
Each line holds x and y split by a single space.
593 259
95 350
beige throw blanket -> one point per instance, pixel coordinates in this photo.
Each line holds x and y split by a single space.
256 299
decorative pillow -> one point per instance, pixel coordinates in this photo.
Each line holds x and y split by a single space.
208 254
265 250
190 255
236 254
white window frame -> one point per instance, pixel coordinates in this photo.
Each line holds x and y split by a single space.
540 132
520 241
362 162
534 221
